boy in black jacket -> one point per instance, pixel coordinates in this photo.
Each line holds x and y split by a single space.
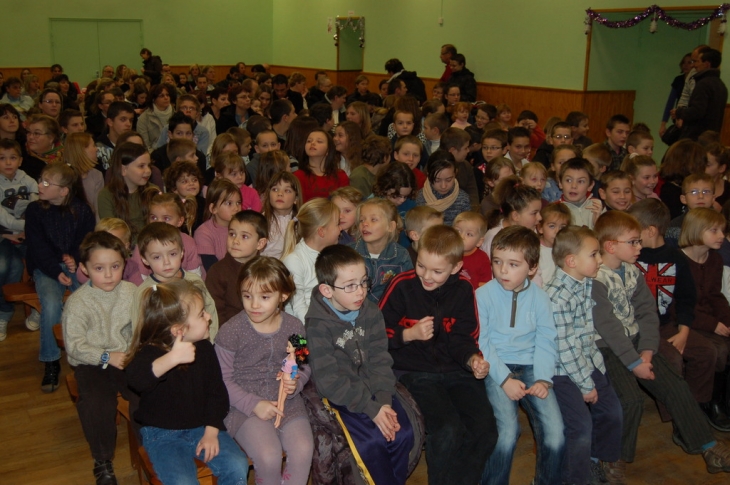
669 278
433 331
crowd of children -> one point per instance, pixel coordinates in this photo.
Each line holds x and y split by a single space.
435 250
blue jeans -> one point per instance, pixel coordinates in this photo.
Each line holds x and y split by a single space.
11 270
547 424
50 292
172 451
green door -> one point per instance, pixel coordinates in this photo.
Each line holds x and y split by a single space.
84 46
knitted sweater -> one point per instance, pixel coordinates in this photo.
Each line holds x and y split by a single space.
50 233
250 362
95 321
461 204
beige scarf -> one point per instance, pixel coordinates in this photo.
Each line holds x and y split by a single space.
439 204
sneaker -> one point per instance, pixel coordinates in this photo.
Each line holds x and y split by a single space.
3 330
717 458
615 472
104 472
33 321
50 377
597 475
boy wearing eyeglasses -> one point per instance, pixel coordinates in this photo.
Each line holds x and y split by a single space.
626 319
432 327
698 190
351 366
560 134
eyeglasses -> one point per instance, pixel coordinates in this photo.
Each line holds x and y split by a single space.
632 242
35 134
46 183
561 137
696 192
352 288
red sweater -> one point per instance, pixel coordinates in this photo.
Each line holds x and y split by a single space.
320 186
477 268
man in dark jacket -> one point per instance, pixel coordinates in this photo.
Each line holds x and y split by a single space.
463 78
282 91
152 66
707 104
415 85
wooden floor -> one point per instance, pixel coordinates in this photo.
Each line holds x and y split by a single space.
43 443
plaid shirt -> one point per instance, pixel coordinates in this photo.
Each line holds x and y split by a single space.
573 315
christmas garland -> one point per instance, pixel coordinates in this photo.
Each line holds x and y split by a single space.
657 13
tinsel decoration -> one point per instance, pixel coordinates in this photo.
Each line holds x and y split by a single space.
652 26
723 25
355 25
587 23
659 14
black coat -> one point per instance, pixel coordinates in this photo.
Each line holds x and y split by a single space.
706 105
296 99
415 85
152 67
464 79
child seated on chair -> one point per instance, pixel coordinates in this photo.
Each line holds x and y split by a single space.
351 366
97 331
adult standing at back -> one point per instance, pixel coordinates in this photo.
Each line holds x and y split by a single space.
152 66
464 78
706 107
448 51
415 85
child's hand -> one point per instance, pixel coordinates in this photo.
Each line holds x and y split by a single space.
387 422
182 352
266 410
591 397
64 280
70 262
644 371
208 444
596 209
679 341
722 330
423 330
479 366
514 389
117 359
16 238
290 385
646 356
538 389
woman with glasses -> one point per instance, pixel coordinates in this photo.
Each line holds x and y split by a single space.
155 118
43 145
50 103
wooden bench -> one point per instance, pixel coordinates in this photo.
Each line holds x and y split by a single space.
24 292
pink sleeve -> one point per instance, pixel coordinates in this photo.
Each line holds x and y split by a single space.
250 199
204 239
239 398
191 258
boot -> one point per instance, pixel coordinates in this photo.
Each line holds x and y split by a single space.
717 458
104 472
715 415
50 377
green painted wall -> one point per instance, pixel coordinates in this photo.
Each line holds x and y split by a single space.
180 31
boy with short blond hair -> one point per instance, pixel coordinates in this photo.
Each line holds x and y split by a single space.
576 181
247 236
554 217
599 156
669 276
640 142
616 190
417 220
181 149
590 408
698 190
472 226
625 317
517 336
432 329
161 247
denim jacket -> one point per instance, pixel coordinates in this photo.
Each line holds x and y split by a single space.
392 261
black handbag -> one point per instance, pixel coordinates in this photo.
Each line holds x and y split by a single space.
671 135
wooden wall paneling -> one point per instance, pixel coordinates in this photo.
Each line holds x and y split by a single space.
43 73
601 105
544 102
725 133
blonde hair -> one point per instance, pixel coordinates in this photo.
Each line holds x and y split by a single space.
178 148
471 216
631 165
314 214
443 241
569 240
389 210
74 152
613 224
109 224
533 167
187 208
417 217
696 222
